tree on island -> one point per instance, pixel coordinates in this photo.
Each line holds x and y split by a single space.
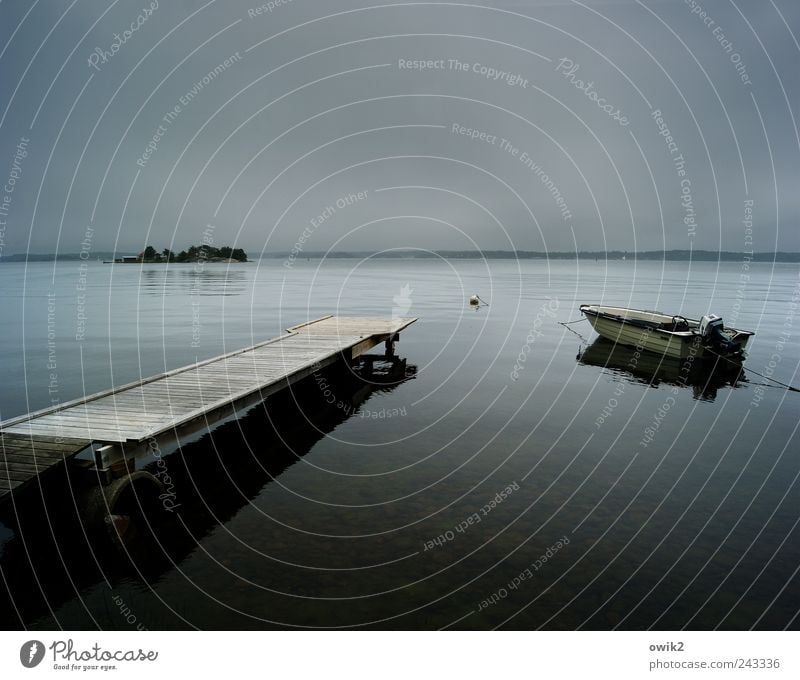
201 253
149 253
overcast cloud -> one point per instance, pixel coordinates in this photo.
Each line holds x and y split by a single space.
350 124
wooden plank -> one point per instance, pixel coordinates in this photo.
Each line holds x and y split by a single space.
30 453
61 443
248 372
308 323
363 347
30 462
17 476
26 469
247 369
30 457
186 391
64 443
94 433
28 429
130 406
144 417
126 405
53 446
44 440
207 384
90 419
53 428
182 386
154 396
25 461
98 411
165 392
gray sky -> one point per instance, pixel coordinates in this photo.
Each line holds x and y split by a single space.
321 102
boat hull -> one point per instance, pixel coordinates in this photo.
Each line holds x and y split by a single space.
639 329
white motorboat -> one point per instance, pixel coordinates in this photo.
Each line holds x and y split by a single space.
674 336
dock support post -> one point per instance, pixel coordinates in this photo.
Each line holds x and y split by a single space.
113 461
390 344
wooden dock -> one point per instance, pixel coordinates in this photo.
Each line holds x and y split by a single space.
24 457
129 415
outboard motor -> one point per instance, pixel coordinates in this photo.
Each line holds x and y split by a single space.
711 329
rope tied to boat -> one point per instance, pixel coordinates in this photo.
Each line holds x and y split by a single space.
790 388
566 325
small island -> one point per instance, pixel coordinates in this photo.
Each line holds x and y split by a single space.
202 253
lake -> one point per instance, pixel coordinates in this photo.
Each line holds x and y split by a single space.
518 479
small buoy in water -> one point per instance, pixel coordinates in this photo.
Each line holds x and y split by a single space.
474 300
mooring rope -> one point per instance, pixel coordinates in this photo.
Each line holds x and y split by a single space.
760 375
566 325
777 382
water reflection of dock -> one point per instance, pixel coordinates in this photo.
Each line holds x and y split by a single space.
49 552
704 375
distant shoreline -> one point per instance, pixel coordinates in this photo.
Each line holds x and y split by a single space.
651 255
648 255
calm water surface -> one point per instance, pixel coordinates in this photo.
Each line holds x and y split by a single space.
514 482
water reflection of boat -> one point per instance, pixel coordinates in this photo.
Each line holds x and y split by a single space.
705 374
674 336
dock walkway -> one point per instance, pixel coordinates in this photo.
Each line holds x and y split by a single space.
139 411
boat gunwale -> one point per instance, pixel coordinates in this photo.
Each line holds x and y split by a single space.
631 322
594 310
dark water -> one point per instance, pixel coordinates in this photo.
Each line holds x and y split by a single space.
462 497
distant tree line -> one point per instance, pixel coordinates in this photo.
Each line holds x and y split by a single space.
202 253
657 255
